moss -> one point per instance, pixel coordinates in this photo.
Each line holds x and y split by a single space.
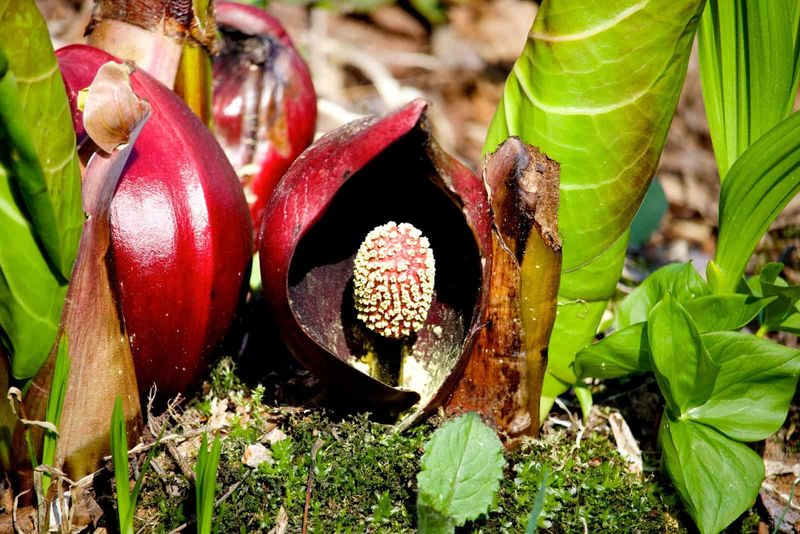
365 476
590 489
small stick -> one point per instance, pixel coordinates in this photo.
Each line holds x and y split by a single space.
310 481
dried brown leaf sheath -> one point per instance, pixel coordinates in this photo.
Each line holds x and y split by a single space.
503 375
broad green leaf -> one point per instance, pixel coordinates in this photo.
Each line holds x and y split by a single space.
757 188
30 295
461 471
622 353
627 351
717 478
754 386
596 88
40 205
39 124
748 69
680 279
683 367
717 313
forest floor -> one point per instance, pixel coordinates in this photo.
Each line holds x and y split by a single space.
294 456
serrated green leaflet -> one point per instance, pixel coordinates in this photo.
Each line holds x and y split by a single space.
716 478
40 205
757 188
595 89
749 66
461 471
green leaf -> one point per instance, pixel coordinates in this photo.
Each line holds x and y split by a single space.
680 279
40 205
754 386
461 471
119 457
206 482
717 478
757 188
538 502
748 69
595 89
39 124
783 313
683 367
55 403
622 353
716 313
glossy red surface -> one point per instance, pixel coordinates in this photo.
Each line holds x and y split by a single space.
181 233
278 94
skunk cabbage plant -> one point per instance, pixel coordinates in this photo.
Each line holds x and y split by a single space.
595 89
377 256
264 106
181 235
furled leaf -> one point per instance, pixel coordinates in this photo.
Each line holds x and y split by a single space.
748 69
717 478
622 353
754 386
757 188
40 204
680 279
683 367
50 190
461 470
595 89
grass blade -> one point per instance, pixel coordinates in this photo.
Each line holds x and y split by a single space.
119 455
538 503
55 403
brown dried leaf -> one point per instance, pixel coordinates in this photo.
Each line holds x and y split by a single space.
112 109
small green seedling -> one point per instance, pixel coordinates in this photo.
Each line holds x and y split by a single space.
126 499
206 482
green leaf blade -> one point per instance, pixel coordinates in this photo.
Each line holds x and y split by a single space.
42 124
680 279
40 206
757 188
716 478
683 367
461 470
753 389
623 352
595 89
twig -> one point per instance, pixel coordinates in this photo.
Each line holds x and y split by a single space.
310 481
